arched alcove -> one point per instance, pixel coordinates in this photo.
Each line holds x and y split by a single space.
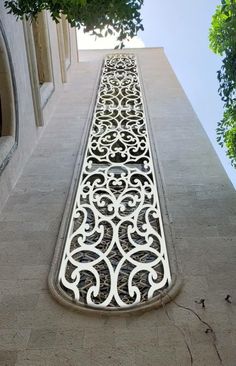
8 103
43 58
66 36
63 35
42 48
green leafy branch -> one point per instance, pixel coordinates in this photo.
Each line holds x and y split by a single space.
222 37
100 18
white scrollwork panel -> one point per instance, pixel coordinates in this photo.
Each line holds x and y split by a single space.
115 253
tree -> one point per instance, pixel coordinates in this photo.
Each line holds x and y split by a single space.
222 39
99 17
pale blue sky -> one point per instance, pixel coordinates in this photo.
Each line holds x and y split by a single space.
181 27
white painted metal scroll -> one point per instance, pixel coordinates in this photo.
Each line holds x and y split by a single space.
115 253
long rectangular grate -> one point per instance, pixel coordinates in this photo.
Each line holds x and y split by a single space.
115 253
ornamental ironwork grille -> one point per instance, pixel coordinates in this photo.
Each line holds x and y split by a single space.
115 253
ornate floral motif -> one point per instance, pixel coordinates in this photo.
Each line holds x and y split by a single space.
115 253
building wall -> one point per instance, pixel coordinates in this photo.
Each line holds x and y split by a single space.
36 329
28 131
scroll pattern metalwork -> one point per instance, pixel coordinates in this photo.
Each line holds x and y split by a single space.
115 253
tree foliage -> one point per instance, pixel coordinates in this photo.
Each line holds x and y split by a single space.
99 17
222 39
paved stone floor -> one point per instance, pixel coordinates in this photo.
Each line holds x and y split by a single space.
35 330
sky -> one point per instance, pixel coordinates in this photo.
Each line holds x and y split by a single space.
181 27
